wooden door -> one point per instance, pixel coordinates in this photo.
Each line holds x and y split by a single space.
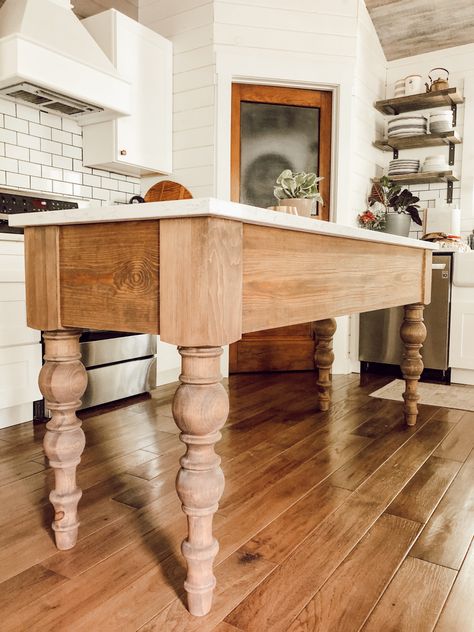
275 128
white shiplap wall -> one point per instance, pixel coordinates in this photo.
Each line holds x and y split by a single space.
189 25
367 123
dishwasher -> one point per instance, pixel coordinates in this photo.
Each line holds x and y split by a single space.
380 346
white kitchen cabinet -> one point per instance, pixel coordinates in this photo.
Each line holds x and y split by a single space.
141 143
462 334
20 346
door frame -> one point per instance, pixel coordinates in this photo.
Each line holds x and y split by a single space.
278 95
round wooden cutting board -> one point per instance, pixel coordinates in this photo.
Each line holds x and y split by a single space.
167 190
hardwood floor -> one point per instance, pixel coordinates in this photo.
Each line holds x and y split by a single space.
336 522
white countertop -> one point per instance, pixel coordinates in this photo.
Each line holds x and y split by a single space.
209 207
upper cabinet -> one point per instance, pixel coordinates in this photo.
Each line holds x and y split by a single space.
141 143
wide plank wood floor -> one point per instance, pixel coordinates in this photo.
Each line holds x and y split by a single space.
330 522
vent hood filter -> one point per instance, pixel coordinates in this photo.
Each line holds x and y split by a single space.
47 100
49 60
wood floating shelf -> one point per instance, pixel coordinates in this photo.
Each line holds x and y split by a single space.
413 142
422 101
423 177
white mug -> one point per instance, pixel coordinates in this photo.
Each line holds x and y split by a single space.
413 84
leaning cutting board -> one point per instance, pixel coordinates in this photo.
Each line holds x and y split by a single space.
167 190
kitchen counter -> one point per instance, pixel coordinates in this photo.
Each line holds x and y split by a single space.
209 207
201 273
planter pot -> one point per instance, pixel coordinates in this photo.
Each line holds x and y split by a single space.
398 224
304 205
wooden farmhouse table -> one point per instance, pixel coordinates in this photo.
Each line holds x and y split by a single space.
200 273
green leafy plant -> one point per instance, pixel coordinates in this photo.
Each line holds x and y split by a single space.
297 185
392 196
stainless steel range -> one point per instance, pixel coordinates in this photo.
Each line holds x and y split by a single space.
118 365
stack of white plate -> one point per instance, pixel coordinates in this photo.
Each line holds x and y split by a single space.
441 121
400 166
410 125
435 163
399 88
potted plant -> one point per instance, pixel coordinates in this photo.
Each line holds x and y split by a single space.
401 206
373 218
298 189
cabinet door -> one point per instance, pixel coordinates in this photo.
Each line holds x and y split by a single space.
461 354
145 59
12 262
13 327
19 369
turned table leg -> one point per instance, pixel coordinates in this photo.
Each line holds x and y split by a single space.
62 381
413 334
200 409
323 359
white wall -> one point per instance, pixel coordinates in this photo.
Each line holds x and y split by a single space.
311 44
189 25
460 62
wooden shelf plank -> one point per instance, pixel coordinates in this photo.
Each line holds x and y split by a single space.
422 101
413 142
426 177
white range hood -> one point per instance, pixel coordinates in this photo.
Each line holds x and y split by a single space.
50 61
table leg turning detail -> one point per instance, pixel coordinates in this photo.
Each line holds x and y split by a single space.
63 380
413 334
200 409
323 359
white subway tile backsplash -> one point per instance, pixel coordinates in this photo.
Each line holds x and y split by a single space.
108 183
20 153
73 177
25 140
18 180
7 107
27 113
41 157
40 184
93 181
72 152
18 125
7 135
52 173
100 194
65 188
61 137
127 187
69 125
51 147
9 164
82 191
43 152
62 162
40 130
29 168
78 166
51 120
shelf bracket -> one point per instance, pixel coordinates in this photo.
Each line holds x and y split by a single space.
395 153
452 153
449 194
454 110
